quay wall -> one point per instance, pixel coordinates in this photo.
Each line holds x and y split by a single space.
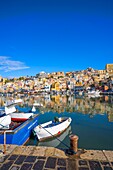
46 158
100 155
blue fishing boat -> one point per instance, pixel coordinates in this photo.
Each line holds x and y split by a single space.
19 132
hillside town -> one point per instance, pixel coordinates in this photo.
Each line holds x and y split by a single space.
60 82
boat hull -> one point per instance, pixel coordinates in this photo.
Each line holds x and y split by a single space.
20 117
43 132
21 134
55 142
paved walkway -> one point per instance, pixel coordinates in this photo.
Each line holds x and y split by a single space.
44 158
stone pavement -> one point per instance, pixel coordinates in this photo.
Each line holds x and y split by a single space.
48 158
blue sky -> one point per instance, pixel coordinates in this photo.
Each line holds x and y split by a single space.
54 35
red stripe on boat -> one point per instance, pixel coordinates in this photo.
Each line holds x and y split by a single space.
19 119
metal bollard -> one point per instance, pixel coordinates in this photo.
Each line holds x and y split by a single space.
74 142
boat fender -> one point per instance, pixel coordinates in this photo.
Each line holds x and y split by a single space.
59 133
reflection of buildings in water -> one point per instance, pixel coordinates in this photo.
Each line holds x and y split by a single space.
1 102
47 98
64 100
56 99
62 104
76 107
71 100
106 98
110 117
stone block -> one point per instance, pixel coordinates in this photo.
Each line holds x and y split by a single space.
51 163
61 162
19 150
39 151
72 164
39 165
59 153
50 151
109 155
20 160
93 155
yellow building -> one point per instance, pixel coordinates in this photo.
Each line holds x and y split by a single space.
57 74
109 68
78 84
102 71
60 73
56 99
55 86
1 83
69 74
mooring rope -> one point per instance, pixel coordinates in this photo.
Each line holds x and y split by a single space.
57 139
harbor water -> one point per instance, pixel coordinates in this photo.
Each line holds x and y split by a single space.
92 119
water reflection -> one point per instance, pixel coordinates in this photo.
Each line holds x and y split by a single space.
92 118
60 104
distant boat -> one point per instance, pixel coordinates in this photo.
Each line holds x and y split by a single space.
33 109
10 105
38 104
13 102
20 117
6 114
52 128
93 93
16 115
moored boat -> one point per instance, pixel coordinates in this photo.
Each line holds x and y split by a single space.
52 128
20 117
38 104
55 142
18 132
10 105
13 102
93 93
15 114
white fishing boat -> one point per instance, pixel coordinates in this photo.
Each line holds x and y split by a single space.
93 93
33 109
20 117
55 142
52 128
10 105
16 115
38 104
5 120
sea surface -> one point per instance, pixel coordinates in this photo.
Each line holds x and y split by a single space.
92 119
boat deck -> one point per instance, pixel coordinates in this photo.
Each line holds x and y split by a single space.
52 124
14 124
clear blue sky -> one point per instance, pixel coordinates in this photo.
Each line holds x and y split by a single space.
54 35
